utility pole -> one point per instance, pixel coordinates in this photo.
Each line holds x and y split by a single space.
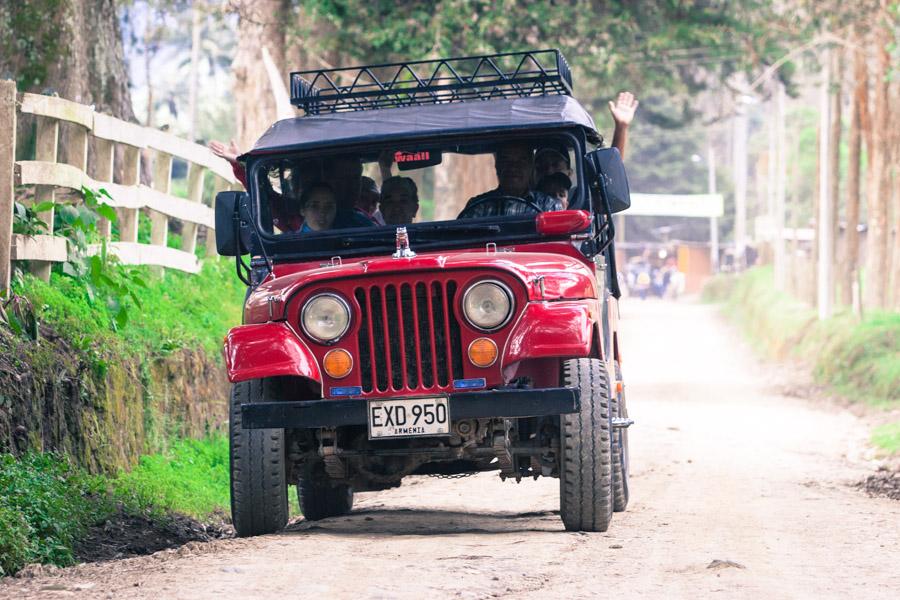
713 221
739 166
823 219
779 257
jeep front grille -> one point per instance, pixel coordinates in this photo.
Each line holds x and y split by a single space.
409 337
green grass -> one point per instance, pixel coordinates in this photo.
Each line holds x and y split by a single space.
887 437
179 310
858 358
191 478
47 504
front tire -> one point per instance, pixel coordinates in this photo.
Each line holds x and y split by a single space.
258 482
620 448
320 501
585 478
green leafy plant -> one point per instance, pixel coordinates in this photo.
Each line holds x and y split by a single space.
26 220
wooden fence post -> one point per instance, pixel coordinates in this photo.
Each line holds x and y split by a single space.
46 149
195 194
103 167
7 160
129 217
162 181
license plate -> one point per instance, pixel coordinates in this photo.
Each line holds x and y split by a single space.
409 417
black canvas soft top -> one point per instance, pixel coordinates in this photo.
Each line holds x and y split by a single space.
477 116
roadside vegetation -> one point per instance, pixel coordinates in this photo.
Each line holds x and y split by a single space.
856 357
51 511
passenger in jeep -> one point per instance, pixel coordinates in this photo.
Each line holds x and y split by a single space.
514 164
318 207
399 200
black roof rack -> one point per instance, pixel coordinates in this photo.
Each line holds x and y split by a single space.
392 85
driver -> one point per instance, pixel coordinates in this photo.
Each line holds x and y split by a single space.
514 163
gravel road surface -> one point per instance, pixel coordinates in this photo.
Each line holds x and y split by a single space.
738 491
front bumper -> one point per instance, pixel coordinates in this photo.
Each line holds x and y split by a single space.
497 404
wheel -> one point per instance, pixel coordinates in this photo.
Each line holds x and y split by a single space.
320 501
585 474
619 449
258 483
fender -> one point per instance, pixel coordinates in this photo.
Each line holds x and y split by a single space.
268 350
552 329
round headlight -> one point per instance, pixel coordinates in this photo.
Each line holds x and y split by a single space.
325 318
488 305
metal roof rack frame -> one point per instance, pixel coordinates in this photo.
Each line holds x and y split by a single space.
440 81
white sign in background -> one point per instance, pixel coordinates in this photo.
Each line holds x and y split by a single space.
676 205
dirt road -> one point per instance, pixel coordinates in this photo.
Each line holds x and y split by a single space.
725 468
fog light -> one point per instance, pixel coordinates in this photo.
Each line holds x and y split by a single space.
337 363
483 352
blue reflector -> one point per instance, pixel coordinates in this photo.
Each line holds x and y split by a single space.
469 384
353 390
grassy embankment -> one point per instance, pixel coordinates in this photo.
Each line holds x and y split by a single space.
46 504
857 358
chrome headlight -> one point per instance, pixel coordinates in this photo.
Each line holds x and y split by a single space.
488 305
325 318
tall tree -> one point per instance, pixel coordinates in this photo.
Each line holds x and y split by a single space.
834 158
262 24
858 107
877 256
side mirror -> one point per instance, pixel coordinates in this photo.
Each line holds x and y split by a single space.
606 169
562 222
232 223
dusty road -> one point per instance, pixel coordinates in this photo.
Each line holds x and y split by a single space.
725 468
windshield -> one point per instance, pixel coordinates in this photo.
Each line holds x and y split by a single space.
438 190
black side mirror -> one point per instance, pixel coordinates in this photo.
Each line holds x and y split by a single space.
232 223
606 169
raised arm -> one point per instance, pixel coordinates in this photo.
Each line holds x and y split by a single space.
623 113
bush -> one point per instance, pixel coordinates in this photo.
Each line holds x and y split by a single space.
857 357
45 505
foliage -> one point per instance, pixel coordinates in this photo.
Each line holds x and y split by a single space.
184 311
26 220
677 47
45 506
887 437
191 478
857 358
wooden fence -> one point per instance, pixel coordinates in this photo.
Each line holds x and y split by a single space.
129 197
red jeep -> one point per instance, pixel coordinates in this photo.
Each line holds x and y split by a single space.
447 333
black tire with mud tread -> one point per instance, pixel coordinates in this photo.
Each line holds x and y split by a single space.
619 450
320 501
585 482
258 483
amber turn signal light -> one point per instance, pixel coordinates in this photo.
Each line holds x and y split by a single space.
483 352
337 363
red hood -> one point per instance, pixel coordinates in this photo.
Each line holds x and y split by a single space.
563 277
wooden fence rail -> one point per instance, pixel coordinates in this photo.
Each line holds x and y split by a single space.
129 196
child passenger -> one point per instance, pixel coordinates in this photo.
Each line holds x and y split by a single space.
318 206
557 185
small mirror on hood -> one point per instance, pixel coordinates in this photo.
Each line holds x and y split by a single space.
605 167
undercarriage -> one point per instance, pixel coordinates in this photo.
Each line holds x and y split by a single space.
515 448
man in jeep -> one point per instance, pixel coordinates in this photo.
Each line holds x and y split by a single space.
514 164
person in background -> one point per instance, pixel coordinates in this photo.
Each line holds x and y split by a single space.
622 113
556 185
369 196
318 205
399 200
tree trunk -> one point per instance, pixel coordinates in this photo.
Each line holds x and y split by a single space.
894 213
834 159
877 256
854 148
261 24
